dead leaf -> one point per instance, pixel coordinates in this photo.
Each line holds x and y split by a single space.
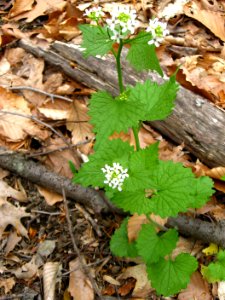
50 197
142 287
216 173
7 191
78 124
7 284
42 7
10 214
198 288
134 226
4 66
79 285
14 127
50 272
13 240
58 160
214 21
27 271
20 6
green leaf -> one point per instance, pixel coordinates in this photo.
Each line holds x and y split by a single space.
143 56
202 190
91 174
96 40
141 164
133 202
222 178
168 277
158 99
110 114
119 244
174 189
152 246
215 271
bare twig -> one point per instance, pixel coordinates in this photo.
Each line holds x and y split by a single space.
57 149
90 219
76 249
29 88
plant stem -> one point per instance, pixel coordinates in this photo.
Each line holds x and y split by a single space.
119 70
135 131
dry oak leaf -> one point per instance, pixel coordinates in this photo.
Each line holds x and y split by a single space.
198 288
11 215
20 6
214 21
13 240
50 271
15 124
79 285
42 7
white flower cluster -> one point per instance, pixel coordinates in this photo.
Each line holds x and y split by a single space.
115 175
94 13
122 23
158 31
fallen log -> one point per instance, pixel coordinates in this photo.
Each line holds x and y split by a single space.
195 121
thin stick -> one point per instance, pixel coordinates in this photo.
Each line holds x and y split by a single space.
29 88
90 219
58 149
76 249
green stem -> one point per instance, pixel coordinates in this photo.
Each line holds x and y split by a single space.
135 131
119 70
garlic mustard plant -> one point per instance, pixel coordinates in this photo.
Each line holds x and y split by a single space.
135 179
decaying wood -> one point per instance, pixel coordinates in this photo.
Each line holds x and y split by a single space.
18 164
194 121
207 232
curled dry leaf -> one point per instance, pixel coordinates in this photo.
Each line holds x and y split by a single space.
12 241
214 21
216 173
79 285
10 214
50 272
198 288
142 286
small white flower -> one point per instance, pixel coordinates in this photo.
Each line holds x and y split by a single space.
115 176
122 23
94 13
158 31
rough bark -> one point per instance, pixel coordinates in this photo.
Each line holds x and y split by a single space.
194 121
200 230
